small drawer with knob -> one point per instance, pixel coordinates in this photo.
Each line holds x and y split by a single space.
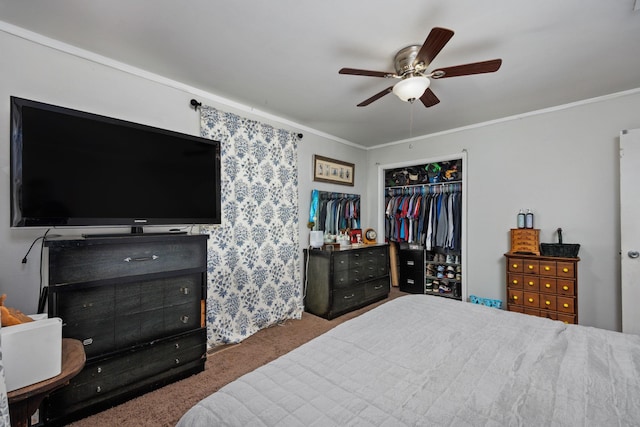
566 305
530 266
515 265
566 269
531 299
516 297
548 302
566 287
515 281
341 261
547 268
548 284
531 283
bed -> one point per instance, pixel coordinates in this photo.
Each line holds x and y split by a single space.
422 360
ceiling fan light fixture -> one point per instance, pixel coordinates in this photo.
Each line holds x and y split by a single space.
411 88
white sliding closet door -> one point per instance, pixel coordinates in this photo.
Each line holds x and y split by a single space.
630 229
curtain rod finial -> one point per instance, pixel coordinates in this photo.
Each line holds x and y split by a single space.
195 104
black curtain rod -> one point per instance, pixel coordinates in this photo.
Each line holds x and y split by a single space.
195 104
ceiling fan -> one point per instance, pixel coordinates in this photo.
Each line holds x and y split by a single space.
411 64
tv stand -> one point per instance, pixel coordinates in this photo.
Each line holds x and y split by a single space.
137 304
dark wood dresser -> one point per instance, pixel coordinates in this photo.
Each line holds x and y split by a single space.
342 280
543 286
137 305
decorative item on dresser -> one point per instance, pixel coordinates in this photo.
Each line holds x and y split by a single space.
135 302
343 280
525 240
543 286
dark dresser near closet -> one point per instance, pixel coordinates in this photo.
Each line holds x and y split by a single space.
137 305
342 280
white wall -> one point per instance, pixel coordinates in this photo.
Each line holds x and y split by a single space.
564 165
36 71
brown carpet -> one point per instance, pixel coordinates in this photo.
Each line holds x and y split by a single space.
165 406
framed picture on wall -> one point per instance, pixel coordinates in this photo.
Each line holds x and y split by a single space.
332 171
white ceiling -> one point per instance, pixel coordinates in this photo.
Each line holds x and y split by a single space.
282 57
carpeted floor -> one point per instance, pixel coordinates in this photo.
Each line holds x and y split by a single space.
165 406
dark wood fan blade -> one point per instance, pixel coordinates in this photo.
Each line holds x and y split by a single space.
429 99
357 72
375 97
436 40
466 69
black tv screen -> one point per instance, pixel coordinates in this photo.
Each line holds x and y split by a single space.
72 168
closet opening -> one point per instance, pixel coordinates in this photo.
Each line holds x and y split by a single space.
423 216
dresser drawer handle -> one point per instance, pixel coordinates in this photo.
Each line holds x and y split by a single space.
531 283
547 268
566 270
184 319
144 258
349 296
411 263
378 287
515 265
565 288
184 290
87 342
565 305
530 267
99 370
98 389
177 345
530 299
515 297
547 302
547 285
515 282
177 361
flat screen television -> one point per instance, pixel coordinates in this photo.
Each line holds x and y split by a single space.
72 168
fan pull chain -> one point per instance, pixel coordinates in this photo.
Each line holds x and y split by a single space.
411 120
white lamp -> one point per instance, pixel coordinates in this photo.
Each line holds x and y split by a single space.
411 88
316 239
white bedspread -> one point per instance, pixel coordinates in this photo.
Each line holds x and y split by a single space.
422 360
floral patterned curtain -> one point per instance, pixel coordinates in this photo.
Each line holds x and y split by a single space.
253 256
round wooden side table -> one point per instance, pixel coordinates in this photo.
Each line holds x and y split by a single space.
24 401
